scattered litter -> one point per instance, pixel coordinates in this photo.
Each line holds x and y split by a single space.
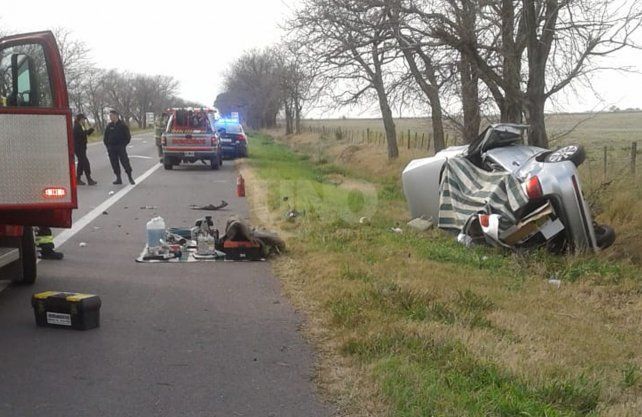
396 230
148 207
484 258
421 224
112 192
292 214
464 239
554 281
82 244
105 213
209 206
364 220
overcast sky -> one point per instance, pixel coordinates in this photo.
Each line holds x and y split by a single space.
195 41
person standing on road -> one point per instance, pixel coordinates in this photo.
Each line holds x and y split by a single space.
116 139
80 149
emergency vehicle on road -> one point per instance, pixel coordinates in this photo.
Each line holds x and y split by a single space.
37 181
191 136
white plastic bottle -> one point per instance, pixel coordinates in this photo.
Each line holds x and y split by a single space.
155 231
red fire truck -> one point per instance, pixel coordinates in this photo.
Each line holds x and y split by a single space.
37 181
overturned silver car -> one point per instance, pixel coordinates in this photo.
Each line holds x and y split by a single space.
501 191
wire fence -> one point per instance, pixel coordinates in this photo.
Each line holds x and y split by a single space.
608 161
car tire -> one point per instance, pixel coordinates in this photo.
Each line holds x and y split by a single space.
573 153
28 257
604 235
215 163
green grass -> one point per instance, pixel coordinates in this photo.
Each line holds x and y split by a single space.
375 302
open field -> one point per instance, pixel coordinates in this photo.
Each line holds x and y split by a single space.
616 131
412 324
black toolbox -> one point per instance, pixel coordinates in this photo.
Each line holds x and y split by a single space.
66 309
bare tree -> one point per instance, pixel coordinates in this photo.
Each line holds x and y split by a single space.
77 65
253 87
351 42
151 94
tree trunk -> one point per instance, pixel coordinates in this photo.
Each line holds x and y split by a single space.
470 98
297 114
429 87
511 106
388 122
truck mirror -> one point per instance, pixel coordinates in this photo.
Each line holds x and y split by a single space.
25 84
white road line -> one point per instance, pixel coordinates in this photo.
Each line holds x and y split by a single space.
92 215
140 157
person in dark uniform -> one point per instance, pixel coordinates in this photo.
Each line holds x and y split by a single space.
80 149
116 139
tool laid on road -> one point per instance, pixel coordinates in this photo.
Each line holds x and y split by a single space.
203 243
66 309
210 207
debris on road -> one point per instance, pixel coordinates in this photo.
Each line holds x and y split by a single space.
396 230
148 207
210 207
82 244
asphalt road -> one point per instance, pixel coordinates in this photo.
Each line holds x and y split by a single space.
197 339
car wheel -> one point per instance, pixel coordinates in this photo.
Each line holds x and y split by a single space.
214 163
28 257
604 235
573 153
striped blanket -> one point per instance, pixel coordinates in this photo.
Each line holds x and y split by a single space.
466 190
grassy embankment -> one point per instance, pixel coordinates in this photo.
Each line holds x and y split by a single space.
412 324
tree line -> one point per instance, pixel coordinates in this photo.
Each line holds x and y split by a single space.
460 60
93 90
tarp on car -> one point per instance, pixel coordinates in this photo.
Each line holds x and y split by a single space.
466 190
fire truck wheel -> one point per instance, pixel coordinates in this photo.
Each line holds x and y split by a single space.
167 164
29 257
215 162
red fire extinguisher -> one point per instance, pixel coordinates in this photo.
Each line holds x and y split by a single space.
240 186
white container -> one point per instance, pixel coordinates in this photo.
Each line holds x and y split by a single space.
205 245
155 231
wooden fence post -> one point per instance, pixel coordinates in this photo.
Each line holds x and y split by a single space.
423 137
634 151
605 161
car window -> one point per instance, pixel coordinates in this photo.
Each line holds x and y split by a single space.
24 77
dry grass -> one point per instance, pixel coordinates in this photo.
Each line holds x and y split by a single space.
371 295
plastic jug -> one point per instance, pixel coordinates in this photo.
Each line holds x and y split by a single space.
155 231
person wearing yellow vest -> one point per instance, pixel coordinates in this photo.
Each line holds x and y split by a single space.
45 242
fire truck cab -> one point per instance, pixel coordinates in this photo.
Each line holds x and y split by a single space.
37 181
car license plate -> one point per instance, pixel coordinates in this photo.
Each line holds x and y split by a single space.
189 153
224 140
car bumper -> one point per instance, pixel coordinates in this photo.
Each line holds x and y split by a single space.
560 183
231 150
